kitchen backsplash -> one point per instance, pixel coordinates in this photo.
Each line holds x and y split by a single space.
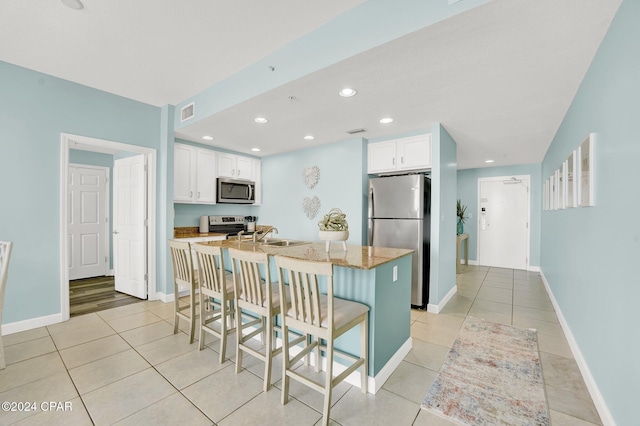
189 214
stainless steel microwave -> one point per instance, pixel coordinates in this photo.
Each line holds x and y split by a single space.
236 191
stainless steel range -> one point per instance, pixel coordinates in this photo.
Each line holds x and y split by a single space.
230 225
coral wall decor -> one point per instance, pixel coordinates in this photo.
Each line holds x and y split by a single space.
311 176
311 206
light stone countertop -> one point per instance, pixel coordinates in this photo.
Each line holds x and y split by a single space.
357 257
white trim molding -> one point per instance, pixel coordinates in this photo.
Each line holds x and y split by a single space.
436 309
592 386
70 141
30 324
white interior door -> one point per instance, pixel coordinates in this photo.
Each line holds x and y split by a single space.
87 221
129 229
503 228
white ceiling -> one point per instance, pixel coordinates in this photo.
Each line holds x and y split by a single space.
499 77
155 51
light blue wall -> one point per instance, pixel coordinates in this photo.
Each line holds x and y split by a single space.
341 173
590 255
189 214
443 214
34 110
468 194
91 158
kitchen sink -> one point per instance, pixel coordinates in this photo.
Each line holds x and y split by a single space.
281 243
273 242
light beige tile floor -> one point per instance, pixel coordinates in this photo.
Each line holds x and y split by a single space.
125 366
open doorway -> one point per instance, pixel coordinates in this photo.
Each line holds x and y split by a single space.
146 197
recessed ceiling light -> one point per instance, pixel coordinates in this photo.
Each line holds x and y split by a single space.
260 120
309 138
386 120
207 138
488 161
347 92
255 149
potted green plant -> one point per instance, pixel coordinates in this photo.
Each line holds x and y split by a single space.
334 227
461 213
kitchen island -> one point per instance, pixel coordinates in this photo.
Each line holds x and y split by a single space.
375 276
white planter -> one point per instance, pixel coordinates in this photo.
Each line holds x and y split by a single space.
329 236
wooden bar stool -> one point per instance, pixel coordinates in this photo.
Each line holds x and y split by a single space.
215 296
184 277
322 316
259 298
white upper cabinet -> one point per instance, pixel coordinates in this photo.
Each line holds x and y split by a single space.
183 179
382 157
194 175
235 166
205 176
399 155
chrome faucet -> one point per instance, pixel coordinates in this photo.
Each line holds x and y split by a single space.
240 234
264 233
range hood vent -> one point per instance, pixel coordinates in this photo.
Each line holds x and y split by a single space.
187 112
354 131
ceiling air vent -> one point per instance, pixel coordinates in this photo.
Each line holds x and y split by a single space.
187 112
354 131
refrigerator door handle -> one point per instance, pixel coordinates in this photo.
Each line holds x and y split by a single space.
370 203
370 232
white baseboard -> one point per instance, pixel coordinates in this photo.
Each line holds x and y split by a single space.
30 324
375 383
476 263
436 309
592 386
168 298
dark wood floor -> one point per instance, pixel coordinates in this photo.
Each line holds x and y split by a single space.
96 294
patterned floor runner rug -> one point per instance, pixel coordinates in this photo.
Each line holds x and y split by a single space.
492 376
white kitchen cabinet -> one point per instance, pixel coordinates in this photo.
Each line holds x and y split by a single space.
399 155
183 163
194 175
235 166
382 157
205 176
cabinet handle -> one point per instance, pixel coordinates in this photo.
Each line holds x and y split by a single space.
190 194
393 161
401 160
238 172
233 172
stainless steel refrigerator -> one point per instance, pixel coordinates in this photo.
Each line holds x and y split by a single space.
400 217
